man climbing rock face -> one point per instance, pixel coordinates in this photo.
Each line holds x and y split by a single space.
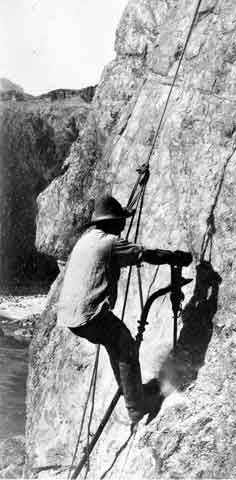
89 294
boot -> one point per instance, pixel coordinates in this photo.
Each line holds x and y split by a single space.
131 383
152 396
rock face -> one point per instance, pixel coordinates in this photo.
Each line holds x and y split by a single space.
36 135
193 436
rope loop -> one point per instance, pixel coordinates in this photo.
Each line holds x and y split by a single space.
144 172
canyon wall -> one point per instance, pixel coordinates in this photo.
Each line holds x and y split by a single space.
36 136
193 435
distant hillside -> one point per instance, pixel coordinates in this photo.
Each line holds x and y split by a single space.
6 86
11 91
86 94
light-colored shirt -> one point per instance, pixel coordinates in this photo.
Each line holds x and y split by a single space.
91 276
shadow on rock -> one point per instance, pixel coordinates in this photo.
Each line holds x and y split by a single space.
181 367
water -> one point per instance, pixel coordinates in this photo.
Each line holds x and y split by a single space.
15 312
13 376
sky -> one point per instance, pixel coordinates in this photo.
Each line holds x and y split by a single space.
49 44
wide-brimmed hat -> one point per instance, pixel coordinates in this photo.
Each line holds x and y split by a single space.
108 208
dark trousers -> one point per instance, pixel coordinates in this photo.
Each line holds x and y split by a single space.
108 330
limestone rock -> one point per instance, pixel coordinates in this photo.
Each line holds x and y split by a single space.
193 436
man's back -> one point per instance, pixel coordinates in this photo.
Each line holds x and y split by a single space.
90 280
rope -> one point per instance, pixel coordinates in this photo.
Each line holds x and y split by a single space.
174 80
127 455
91 413
117 455
140 204
207 241
166 105
93 376
135 240
140 197
143 172
153 280
143 177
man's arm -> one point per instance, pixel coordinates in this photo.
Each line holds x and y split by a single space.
127 253
160 257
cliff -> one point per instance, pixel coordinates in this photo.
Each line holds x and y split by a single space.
35 139
193 435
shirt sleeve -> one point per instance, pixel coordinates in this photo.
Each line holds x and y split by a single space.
126 253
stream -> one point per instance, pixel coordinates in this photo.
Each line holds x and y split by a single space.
13 375
17 314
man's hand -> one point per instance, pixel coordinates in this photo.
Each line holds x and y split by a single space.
181 258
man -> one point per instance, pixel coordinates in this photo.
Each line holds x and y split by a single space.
89 294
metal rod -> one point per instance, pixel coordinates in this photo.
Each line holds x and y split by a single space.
175 332
140 288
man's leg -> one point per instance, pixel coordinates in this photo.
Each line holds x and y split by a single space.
96 332
113 334
114 361
123 354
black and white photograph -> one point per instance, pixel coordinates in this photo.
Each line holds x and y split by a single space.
118 239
